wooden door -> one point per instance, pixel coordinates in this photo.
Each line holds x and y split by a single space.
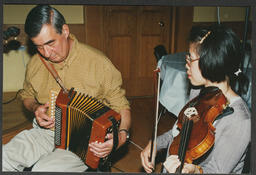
129 35
120 24
153 29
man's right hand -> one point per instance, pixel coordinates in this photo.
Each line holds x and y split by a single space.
42 118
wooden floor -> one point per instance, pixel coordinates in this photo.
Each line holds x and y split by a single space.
127 158
141 131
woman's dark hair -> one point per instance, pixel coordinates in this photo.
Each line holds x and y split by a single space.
40 15
220 52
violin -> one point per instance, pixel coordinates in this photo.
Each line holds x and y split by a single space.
195 122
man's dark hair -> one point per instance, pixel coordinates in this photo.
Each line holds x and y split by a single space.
40 15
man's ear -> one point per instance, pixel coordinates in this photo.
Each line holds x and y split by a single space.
65 30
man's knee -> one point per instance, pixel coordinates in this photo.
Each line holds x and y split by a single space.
7 162
60 161
39 167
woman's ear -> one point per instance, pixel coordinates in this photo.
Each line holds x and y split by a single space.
65 30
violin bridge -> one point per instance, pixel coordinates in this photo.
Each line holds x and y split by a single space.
190 111
192 114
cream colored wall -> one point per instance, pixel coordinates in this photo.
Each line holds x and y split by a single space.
227 14
72 13
14 65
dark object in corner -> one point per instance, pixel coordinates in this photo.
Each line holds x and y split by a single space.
10 41
159 51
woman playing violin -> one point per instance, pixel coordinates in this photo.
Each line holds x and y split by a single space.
214 58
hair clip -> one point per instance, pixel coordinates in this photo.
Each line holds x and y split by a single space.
238 72
205 36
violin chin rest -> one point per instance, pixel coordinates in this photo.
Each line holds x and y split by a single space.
227 111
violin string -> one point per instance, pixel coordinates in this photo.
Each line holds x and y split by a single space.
183 133
187 125
136 145
183 141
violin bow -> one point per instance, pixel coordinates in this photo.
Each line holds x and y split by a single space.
154 134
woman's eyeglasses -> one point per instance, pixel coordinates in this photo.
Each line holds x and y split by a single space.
189 59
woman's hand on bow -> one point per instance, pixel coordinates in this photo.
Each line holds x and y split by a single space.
145 155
